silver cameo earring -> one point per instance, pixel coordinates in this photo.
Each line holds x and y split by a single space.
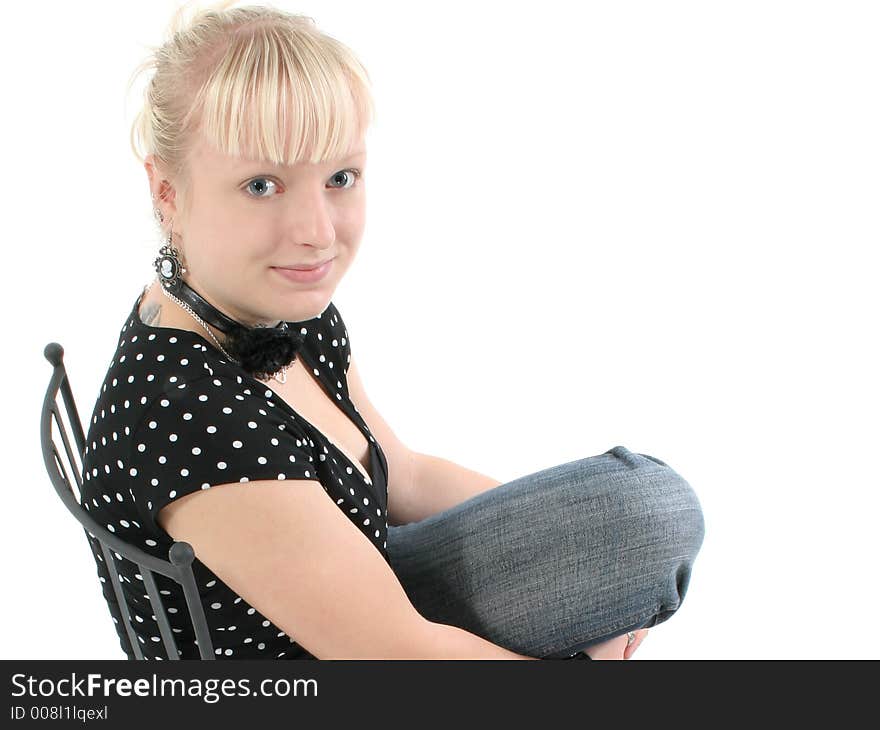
168 265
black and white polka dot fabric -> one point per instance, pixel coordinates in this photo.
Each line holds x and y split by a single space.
173 417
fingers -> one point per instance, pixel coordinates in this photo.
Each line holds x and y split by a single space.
611 649
630 650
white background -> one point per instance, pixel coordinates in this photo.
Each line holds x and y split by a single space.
589 224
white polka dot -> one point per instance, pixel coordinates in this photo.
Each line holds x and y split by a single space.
237 444
196 450
221 464
262 460
211 429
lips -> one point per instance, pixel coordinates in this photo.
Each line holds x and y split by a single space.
304 276
305 267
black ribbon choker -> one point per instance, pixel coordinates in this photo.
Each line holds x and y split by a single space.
261 351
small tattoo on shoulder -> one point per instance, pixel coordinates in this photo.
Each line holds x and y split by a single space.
150 314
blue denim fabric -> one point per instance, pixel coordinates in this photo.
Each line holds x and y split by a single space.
552 562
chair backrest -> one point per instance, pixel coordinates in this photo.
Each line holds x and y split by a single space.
181 555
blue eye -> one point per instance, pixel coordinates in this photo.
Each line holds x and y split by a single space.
354 174
263 183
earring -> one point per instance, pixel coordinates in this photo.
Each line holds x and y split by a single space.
168 265
157 214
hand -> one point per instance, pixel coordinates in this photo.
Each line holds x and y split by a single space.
616 648
630 650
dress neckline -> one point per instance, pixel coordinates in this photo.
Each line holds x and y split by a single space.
376 469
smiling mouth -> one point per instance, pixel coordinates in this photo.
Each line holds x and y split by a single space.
305 267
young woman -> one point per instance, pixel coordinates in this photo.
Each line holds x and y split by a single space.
233 417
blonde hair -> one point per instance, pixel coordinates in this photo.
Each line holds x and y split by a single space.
254 82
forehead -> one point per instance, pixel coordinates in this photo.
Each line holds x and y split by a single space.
207 156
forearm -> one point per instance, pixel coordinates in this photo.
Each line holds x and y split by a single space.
450 642
438 484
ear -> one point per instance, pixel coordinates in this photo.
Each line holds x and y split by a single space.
160 187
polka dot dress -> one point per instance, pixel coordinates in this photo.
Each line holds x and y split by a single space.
173 417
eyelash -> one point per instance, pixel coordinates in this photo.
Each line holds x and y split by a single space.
354 171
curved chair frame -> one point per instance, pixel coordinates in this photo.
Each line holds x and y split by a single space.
178 567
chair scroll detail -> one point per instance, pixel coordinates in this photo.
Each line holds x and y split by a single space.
178 567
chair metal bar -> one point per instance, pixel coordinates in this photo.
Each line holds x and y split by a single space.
72 412
70 458
121 602
182 555
159 613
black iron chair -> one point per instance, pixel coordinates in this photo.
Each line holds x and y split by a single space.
181 555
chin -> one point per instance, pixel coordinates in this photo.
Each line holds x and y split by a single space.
306 305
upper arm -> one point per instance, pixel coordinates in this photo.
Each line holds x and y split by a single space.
287 549
400 457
